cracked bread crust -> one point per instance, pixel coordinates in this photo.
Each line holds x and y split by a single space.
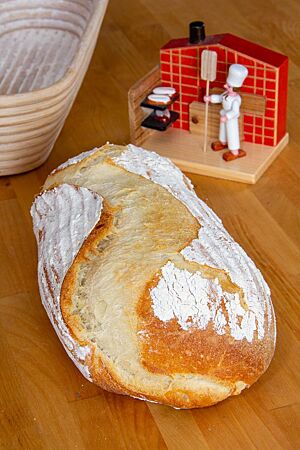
201 367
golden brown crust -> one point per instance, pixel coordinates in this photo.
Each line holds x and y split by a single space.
101 230
180 398
226 362
59 172
103 375
220 357
100 374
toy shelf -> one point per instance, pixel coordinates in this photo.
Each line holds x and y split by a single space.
154 124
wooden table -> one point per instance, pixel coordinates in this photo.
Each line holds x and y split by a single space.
45 403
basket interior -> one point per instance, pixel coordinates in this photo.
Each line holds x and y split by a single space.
38 41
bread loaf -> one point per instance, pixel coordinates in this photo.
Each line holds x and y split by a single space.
147 291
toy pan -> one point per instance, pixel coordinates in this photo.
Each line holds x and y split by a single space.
45 50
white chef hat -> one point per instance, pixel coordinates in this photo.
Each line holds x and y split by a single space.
236 75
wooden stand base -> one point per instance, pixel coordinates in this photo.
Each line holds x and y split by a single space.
186 151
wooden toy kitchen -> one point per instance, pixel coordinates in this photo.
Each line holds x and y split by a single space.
168 112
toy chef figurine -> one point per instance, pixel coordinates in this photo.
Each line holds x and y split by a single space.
229 123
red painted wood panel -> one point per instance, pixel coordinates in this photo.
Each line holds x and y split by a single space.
282 101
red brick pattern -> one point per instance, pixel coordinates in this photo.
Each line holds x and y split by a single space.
180 68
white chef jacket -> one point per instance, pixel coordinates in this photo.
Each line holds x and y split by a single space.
229 131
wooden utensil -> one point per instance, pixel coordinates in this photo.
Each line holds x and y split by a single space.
208 73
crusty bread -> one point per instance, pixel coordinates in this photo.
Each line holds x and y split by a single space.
149 294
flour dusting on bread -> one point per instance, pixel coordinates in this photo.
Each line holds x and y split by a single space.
63 217
214 247
197 301
155 300
190 298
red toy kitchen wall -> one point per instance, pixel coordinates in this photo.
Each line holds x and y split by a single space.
180 68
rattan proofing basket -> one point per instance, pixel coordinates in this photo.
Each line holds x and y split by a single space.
45 50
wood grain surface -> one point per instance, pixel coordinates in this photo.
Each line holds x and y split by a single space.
45 403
